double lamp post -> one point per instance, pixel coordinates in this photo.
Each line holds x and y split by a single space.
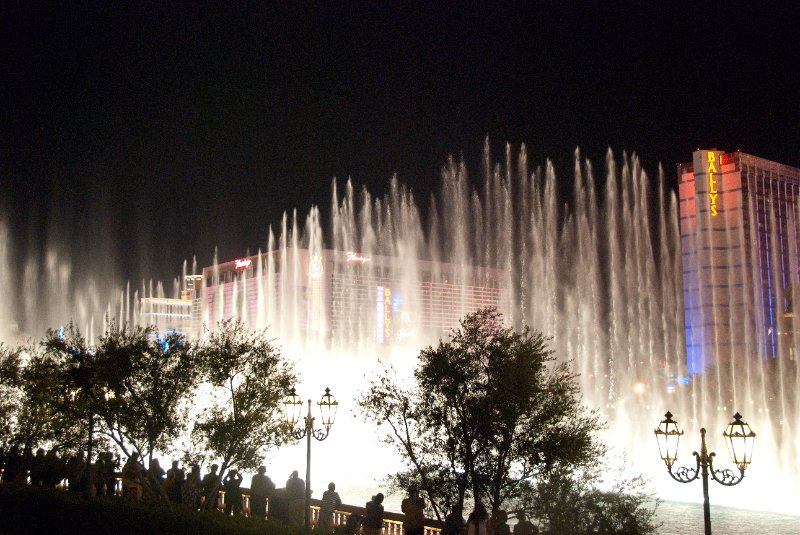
293 406
739 438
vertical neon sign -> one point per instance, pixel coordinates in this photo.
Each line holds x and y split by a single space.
712 183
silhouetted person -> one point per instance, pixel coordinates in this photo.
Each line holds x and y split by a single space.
174 483
54 469
192 488
27 462
454 523
233 492
13 465
476 523
261 487
413 508
295 492
373 517
76 472
105 474
524 526
156 472
38 468
330 502
210 481
132 474
499 523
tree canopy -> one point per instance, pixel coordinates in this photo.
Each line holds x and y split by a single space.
489 414
148 394
247 378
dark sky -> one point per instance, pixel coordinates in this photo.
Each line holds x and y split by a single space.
143 134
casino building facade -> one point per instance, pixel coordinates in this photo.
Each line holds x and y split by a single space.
348 296
740 243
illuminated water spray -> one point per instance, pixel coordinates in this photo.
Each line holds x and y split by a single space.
601 274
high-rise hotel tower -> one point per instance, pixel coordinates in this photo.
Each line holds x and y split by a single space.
739 240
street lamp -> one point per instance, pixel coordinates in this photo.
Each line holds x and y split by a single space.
739 438
293 405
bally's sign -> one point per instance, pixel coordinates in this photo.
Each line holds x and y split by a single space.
713 175
709 163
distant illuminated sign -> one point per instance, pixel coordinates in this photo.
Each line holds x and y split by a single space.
712 182
357 257
242 263
315 268
383 314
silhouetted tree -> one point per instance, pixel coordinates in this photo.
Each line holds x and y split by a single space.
10 393
32 393
571 503
150 384
78 393
247 378
488 410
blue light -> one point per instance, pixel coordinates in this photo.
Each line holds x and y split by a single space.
695 361
397 301
61 333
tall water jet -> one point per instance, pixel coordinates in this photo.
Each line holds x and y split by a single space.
601 273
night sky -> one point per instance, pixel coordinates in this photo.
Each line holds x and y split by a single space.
138 135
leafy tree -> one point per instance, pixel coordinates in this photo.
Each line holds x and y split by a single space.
78 391
432 459
40 421
488 410
571 503
31 392
150 382
10 392
247 379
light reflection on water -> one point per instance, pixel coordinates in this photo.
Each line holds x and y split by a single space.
680 518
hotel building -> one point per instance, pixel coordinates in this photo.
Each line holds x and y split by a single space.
170 314
739 241
348 296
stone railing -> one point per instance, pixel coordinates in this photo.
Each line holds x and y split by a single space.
392 522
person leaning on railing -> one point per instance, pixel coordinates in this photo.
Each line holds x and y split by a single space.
454 523
413 508
330 502
261 487
477 521
373 518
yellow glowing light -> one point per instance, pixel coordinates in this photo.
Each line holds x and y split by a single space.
638 388
712 183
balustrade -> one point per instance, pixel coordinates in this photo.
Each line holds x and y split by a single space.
392 522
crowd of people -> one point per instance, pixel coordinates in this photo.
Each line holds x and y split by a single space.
48 469
191 489
480 522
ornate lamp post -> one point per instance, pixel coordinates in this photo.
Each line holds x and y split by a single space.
293 405
739 438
